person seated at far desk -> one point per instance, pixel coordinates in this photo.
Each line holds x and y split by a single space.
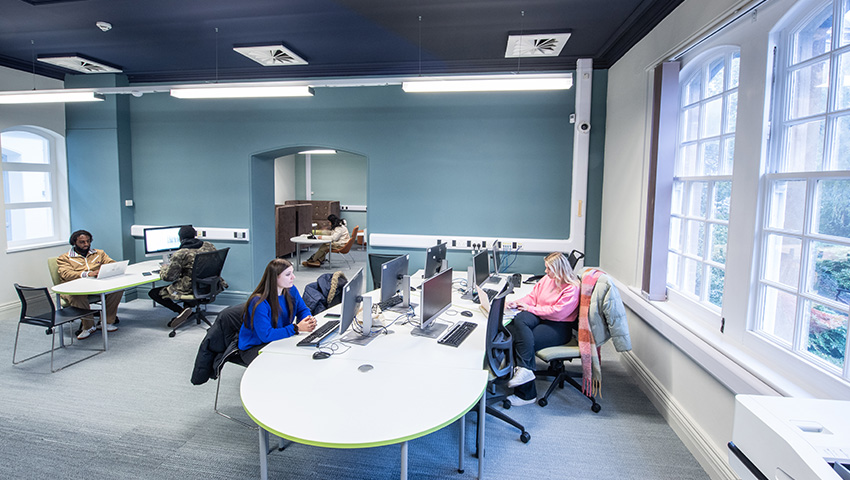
265 320
179 271
547 317
82 261
339 236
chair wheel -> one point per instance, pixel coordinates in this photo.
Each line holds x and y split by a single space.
525 437
543 402
172 333
596 408
506 404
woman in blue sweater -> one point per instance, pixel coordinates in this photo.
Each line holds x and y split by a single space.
265 321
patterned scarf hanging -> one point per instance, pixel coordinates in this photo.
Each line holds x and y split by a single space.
591 355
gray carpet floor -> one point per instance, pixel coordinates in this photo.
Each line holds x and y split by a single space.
132 413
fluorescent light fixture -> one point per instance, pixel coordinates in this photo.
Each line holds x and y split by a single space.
243 90
78 63
49 96
318 152
483 84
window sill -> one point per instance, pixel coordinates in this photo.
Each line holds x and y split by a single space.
35 246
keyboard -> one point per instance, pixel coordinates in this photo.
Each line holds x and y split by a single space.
319 334
457 334
390 302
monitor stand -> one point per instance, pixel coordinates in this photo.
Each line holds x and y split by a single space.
433 331
357 338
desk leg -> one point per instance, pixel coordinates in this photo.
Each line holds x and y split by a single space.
460 444
103 320
297 257
264 453
482 414
404 461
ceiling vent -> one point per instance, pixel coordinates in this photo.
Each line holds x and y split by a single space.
536 45
78 63
270 55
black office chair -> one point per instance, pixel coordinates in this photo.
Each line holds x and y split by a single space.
37 309
206 284
500 362
375 262
574 257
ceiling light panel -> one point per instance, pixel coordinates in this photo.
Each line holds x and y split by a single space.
78 63
271 55
536 45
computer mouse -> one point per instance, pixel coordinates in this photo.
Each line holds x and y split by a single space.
318 355
466 313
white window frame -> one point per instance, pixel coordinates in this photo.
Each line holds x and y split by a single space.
58 171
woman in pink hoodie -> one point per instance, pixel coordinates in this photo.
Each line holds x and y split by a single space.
547 317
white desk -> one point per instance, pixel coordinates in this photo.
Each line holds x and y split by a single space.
420 386
303 240
133 277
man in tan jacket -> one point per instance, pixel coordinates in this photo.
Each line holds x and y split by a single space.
82 261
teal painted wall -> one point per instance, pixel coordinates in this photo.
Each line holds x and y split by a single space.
342 177
490 164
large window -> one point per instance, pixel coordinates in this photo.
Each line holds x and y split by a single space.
804 276
32 194
702 183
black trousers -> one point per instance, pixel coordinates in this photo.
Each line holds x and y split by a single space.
531 333
159 296
249 355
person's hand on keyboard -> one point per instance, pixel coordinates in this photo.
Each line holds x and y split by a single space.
307 325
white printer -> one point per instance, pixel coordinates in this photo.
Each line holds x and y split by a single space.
790 438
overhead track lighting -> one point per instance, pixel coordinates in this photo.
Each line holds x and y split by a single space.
49 96
257 90
489 84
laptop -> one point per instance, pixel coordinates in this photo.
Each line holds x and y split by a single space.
112 269
485 305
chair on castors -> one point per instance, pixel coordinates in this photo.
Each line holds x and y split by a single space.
38 309
500 363
345 250
206 284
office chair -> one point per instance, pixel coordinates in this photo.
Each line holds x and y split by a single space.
206 284
556 356
500 362
346 249
375 262
53 268
37 308
230 321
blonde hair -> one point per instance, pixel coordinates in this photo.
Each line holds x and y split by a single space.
560 267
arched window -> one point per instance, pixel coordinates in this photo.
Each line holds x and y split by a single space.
34 187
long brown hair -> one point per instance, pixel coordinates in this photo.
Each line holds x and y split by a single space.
267 291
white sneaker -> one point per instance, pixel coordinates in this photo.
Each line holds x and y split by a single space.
518 402
111 327
521 376
85 333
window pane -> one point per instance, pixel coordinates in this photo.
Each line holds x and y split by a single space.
829 271
827 333
780 311
687 160
809 88
722 197
690 122
815 37
673 269
718 243
676 234
840 154
714 78
24 147
694 233
728 156
731 112
697 199
734 67
29 223
715 290
691 93
845 23
677 200
710 156
26 187
711 117
692 277
843 97
805 147
787 204
782 260
832 208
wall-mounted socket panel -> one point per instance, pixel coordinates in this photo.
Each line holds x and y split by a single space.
353 208
461 242
206 233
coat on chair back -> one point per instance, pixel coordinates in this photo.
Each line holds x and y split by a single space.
222 333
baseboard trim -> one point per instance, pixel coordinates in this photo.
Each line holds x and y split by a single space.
714 462
11 307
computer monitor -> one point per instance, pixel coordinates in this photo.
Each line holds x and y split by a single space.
480 267
435 257
352 295
162 241
392 276
436 299
497 258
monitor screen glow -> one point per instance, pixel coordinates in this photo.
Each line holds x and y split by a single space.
162 239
